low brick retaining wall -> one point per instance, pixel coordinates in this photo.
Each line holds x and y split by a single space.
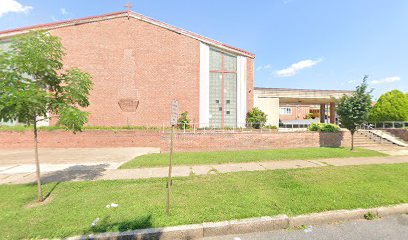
253 141
401 133
86 139
185 142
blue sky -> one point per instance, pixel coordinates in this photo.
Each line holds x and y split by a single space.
315 44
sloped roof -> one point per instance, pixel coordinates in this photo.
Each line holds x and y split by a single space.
67 23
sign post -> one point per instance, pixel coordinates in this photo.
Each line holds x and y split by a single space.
173 122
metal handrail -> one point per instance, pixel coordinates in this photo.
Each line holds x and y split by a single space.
371 134
205 127
391 124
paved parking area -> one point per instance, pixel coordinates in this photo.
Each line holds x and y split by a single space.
18 166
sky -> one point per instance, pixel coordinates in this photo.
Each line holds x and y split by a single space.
313 44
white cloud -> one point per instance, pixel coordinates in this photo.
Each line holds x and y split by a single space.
267 66
386 80
351 81
12 6
296 67
63 11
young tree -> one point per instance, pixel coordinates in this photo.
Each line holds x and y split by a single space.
256 118
34 86
391 106
353 110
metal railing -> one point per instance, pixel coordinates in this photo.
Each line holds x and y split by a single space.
390 125
216 128
294 125
369 131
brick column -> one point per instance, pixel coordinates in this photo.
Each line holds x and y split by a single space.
322 113
333 113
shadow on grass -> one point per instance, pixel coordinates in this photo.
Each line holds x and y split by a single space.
78 172
107 225
51 190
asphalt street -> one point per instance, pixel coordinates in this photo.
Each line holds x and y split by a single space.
391 228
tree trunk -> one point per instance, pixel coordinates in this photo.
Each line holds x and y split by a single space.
352 141
37 163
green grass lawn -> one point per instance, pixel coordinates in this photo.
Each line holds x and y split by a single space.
196 199
196 158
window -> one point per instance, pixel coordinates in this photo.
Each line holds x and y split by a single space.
223 89
285 111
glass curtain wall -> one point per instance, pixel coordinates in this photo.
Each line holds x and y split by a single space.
223 89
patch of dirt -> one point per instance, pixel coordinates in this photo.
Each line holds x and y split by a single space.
36 203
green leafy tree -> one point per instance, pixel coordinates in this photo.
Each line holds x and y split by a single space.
184 121
256 118
353 110
391 106
34 86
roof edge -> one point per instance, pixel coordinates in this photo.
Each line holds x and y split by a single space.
66 23
300 89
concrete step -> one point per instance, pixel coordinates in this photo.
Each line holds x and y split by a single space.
370 141
373 145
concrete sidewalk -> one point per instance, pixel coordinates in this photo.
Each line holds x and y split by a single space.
99 172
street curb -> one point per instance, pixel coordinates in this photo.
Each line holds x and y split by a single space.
261 224
393 210
327 217
248 225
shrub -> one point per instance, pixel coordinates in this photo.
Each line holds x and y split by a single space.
314 127
256 118
183 121
323 127
270 127
329 128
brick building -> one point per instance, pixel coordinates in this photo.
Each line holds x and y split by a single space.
139 65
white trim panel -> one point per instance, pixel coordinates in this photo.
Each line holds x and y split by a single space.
204 85
241 90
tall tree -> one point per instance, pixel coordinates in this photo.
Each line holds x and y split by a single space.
353 110
34 86
391 106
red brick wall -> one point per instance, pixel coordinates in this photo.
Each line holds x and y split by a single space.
90 139
132 58
122 55
253 141
298 112
184 142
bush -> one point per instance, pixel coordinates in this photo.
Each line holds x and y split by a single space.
323 127
329 128
256 118
270 127
314 127
183 121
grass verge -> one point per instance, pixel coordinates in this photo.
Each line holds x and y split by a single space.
197 158
75 205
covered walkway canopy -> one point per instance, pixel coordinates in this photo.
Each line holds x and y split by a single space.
270 99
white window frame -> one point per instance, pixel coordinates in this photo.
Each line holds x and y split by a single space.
285 111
